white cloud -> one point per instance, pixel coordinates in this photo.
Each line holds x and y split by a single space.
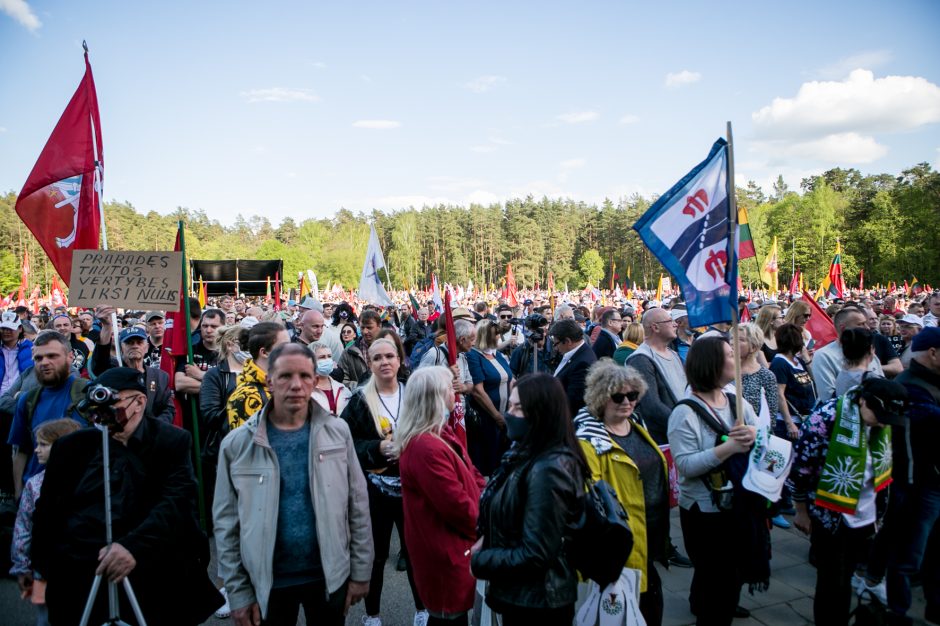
868 59
377 124
482 84
835 122
860 103
578 117
454 183
483 149
628 119
320 65
20 11
685 77
572 164
482 197
499 141
365 78
3 129
279 94
404 201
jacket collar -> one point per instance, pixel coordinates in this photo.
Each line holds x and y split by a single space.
257 424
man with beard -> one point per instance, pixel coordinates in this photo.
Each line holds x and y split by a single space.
57 396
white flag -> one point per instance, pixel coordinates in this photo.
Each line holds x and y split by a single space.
314 286
370 285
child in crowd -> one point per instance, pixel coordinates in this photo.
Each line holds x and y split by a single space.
32 589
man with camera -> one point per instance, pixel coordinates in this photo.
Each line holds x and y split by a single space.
535 355
57 396
157 541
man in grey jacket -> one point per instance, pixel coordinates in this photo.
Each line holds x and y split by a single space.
288 533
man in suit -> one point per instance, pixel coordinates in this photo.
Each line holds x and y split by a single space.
576 357
609 337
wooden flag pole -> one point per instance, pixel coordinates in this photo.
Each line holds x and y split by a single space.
733 302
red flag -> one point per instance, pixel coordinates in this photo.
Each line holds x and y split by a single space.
175 344
511 286
795 283
24 276
277 291
58 202
457 415
861 280
57 296
819 325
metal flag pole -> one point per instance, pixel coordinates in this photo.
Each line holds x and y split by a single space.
733 302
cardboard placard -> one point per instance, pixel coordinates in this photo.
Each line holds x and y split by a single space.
142 280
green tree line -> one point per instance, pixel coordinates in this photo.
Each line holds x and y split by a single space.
887 224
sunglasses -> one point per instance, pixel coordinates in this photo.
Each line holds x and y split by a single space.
505 317
618 398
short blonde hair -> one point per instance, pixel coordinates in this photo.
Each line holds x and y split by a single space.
424 404
634 333
754 336
487 336
606 377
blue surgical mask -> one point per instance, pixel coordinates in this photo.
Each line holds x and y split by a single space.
325 367
241 356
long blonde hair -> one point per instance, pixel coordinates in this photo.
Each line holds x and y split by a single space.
425 404
369 393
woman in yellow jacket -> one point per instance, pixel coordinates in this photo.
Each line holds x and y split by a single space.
620 451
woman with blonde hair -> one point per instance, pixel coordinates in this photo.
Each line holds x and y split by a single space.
769 319
633 336
489 398
621 452
373 414
798 314
440 495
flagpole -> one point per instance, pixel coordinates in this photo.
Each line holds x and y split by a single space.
189 359
98 182
733 302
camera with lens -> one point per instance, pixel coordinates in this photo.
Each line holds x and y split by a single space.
99 403
536 324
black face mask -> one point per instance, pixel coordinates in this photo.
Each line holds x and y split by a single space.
517 428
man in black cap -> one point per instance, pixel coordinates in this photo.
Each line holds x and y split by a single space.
841 467
157 540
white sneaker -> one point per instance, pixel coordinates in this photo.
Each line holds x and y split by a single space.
225 610
879 591
421 618
368 620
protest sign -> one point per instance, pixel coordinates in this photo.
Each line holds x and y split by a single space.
126 279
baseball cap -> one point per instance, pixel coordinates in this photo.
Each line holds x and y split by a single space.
123 378
676 314
886 398
527 302
10 320
311 303
133 331
768 466
924 340
154 315
248 322
910 318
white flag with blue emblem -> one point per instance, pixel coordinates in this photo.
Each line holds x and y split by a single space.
370 285
688 230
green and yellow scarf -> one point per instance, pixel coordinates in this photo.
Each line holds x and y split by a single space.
843 474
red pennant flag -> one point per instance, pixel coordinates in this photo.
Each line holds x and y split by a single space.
58 298
277 291
175 344
861 280
58 203
819 325
795 283
457 415
511 298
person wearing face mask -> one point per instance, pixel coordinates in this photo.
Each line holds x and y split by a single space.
528 509
440 495
372 414
330 394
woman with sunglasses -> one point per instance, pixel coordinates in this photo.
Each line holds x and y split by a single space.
621 452
347 334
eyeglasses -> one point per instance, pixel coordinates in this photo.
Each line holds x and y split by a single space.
505 317
618 398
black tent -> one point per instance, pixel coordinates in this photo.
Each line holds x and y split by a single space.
233 276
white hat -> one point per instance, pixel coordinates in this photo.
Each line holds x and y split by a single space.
676 314
248 322
10 320
769 465
311 303
910 318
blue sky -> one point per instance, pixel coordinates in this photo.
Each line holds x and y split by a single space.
300 109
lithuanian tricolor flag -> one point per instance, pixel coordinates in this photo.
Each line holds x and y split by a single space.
745 242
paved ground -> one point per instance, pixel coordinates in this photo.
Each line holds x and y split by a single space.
788 602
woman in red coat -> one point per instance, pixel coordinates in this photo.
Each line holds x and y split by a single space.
441 492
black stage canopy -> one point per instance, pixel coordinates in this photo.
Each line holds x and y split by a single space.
233 276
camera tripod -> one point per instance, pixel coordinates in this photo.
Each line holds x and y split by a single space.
114 612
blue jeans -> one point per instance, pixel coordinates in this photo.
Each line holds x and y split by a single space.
919 509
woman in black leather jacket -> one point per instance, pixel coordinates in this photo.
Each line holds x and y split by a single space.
529 507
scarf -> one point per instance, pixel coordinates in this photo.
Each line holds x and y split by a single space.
843 473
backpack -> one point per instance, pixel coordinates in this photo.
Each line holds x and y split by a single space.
602 540
76 395
420 349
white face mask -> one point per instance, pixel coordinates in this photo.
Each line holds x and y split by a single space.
325 367
241 356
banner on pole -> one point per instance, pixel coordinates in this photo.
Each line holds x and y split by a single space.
126 279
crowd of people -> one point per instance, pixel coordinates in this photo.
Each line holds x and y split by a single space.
325 426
